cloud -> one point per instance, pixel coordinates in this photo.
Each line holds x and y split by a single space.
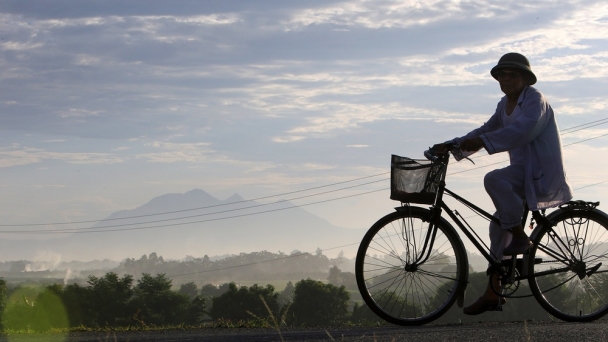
579 106
288 139
313 166
19 155
177 152
389 14
270 95
128 71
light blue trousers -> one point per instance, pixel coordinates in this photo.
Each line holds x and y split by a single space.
506 189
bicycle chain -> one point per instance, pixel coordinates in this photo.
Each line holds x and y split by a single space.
544 291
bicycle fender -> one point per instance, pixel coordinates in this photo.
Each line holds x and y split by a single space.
579 206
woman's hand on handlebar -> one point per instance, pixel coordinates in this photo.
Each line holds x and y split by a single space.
440 148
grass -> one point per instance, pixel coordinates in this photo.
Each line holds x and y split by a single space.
276 325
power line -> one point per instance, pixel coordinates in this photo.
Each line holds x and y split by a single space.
192 216
588 124
590 185
103 228
305 253
295 255
198 208
578 142
566 131
99 230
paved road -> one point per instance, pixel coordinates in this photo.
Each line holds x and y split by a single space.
513 331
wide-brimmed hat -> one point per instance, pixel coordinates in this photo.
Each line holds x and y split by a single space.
514 60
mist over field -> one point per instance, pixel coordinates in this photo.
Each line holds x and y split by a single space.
207 226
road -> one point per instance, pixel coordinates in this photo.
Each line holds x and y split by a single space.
486 331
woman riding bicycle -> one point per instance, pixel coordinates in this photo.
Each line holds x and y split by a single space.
524 126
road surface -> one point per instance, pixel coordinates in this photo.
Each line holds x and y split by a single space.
482 331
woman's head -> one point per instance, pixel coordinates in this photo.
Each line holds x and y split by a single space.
516 62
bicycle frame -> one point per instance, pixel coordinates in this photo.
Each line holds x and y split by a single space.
497 265
412 265
440 206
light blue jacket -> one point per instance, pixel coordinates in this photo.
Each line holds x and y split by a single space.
535 130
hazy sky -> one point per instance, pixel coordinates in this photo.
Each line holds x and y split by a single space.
107 104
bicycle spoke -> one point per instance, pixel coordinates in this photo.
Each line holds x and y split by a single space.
576 289
403 277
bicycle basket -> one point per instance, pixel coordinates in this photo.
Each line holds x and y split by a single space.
414 181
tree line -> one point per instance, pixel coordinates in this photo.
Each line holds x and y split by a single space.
256 267
114 301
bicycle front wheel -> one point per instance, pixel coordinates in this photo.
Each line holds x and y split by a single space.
409 272
570 276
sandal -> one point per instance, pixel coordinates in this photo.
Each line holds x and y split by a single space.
484 304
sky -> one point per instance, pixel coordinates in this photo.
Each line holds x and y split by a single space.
107 104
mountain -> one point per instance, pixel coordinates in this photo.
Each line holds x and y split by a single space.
193 223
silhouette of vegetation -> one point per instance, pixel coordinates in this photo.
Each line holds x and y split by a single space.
155 304
286 296
317 303
339 278
241 303
260 266
117 299
109 297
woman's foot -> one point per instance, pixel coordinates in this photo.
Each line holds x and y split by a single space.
520 242
518 245
483 304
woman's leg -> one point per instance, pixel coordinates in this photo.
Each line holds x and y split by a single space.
506 189
499 239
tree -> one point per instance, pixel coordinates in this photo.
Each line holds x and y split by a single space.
243 303
339 278
209 291
19 311
156 304
77 300
46 311
363 314
189 289
3 295
316 303
49 311
110 296
334 276
197 310
286 296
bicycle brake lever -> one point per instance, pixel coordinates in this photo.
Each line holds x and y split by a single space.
457 152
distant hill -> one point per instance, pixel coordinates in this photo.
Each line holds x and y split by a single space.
196 224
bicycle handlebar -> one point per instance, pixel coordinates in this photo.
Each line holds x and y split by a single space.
430 155
450 146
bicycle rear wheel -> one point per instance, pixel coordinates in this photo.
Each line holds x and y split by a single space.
409 273
571 282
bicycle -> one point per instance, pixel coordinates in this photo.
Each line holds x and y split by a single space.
411 265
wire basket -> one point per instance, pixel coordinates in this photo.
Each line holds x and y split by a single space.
414 181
